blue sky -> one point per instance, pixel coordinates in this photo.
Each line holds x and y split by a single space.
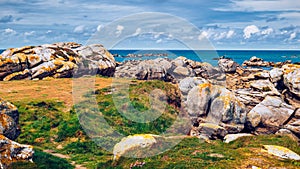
228 24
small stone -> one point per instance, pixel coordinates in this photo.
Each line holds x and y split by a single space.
232 137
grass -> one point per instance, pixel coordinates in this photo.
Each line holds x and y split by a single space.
194 153
49 125
43 161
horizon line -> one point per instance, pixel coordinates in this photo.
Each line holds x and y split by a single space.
268 49
234 49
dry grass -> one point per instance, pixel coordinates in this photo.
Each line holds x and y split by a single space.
52 89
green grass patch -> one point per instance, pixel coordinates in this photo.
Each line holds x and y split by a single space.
43 160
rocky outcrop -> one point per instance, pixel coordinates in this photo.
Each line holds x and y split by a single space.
270 114
228 65
168 70
207 103
9 118
292 81
55 60
257 62
156 69
11 151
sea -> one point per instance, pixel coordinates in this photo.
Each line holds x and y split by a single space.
211 57
208 56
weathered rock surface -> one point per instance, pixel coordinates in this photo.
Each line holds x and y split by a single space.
55 60
168 70
294 126
11 151
207 103
9 118
232 137
208 131
281 152
290 134
131 144
257 62
271 113
292 81
228 65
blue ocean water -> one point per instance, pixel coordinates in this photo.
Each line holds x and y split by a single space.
210 56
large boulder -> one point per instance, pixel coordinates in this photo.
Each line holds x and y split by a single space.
187 84
215 104
227 65
9 109
9 119
271 114
11 152
55 60
131 146
276 75
156 69
292 81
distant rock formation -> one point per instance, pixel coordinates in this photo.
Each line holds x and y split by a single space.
168 70
55 60
10 150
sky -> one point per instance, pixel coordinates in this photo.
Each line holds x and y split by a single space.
227 24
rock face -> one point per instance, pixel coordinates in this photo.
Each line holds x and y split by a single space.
227 65
255 61
271 113
9 118
167 70
207 103
11 151
292 81
56 60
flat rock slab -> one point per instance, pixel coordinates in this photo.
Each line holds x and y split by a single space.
281 152
232 137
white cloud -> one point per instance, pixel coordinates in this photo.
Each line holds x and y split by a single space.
221 35
10 31
261 5
159 41
137 32
79 29
157 34
29 33
230 34
267 31
293 36
203 35
119 30
99 27
250 30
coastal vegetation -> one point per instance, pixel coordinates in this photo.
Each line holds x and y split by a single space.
49 125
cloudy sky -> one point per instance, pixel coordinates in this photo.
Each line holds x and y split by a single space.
228 24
